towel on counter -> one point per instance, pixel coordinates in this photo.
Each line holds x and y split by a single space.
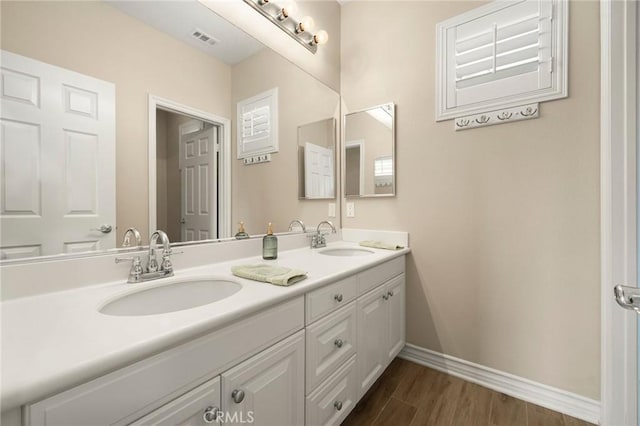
278 275
380 245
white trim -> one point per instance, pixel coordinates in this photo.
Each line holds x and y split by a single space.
224 198
546 396
619 375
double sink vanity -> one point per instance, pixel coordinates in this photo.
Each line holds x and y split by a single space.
205 346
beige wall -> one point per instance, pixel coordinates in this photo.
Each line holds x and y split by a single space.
96 39
268 192
323 65
503 220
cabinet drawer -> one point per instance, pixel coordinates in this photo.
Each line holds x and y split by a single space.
377 275
335 398
329 298
197 407
130 393
330 342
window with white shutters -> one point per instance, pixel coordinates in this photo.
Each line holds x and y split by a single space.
258 124
501 55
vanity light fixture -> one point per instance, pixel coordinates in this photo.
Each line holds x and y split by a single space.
281 15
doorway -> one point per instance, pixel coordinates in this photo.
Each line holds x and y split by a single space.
189 172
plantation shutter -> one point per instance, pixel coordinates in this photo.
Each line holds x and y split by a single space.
500 54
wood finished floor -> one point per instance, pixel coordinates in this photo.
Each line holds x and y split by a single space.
408 394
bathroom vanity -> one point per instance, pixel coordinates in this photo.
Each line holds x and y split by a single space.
269 355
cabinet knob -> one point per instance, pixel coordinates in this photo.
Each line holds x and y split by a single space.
390 293
338 405
211 415
338 343
385 296
237 396
338 297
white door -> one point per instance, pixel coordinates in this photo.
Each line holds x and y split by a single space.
267 389
620 209
198 407
372 332
318 171
57 193
199 187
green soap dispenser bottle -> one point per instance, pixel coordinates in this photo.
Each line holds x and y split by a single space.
270 245
242 234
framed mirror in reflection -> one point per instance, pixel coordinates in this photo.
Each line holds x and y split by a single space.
316 160
87 154
369 152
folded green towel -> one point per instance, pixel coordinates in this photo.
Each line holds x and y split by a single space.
278 275
380 245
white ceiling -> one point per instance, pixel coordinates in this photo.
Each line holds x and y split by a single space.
179 18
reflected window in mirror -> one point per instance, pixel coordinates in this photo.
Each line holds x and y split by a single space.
316 160
369 152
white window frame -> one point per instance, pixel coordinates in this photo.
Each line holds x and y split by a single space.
270 144
559 49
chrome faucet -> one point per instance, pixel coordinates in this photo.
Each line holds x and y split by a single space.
126 240
298 221
152 271
153 262
318 240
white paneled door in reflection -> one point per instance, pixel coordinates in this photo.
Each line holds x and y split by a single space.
57 138
199 191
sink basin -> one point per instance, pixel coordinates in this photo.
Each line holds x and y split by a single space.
171 297
346 252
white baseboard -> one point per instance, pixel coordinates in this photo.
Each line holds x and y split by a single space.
546 396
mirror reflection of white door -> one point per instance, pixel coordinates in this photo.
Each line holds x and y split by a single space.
199 189
51 117
318 171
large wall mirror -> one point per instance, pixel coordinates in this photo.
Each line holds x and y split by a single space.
134 79
369 152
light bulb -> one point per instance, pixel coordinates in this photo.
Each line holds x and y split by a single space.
305 24
289 7
321 37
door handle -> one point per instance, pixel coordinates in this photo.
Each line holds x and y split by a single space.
183 221
627 297
104 228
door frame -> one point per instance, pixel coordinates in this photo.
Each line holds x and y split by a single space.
224 193
618 162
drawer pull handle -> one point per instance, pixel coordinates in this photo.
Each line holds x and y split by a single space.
237 396
338 297
211 414
390 293
385 296
338 405
338 343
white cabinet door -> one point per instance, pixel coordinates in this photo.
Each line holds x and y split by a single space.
267 389
396 306
199 407
372 331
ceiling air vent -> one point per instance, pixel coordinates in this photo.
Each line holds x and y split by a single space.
203 37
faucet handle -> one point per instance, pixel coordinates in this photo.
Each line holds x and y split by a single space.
166 264
136 267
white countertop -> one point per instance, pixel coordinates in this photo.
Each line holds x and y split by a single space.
54 341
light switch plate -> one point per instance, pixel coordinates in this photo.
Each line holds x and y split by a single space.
351 210
332 210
